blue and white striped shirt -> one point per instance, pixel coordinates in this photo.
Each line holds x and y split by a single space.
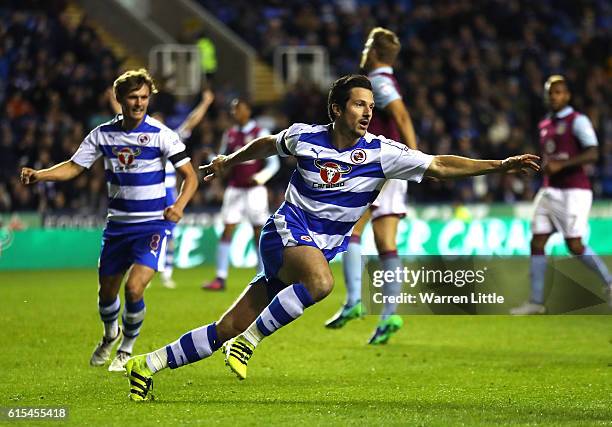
171 191
331 189
134 164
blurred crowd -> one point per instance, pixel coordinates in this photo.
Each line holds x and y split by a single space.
53 77
471 72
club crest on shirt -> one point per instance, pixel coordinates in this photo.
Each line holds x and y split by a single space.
306 238
358 156
550 146
126 156
330 173
143 139
560 129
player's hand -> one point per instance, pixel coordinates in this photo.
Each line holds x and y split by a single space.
214 169
208 97
521 163
173 213
552 167
28 176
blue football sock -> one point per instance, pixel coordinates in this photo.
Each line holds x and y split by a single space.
109 313
195 345
351 265
133 316
538 274
223 257
591 260
390 262
287 305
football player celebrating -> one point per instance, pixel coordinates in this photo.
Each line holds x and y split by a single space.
135 148
340 171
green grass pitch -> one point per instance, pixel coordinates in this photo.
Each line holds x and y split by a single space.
438 370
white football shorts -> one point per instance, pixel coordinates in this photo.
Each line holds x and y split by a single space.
391 200
245 204
563 210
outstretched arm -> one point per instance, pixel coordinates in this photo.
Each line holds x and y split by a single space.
259 148
64 171
449 167
198 113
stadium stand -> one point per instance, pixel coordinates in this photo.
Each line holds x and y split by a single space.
472 72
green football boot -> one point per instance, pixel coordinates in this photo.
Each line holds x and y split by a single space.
345 314
386 328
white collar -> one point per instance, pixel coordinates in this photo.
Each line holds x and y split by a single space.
247 127
381 70
564 112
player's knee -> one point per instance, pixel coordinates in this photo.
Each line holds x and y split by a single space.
537 246
385 242
386 246
320 285
575 247
228 232
107 293
134 291
108 290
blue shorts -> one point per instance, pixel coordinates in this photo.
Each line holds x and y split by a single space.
124 244
290 226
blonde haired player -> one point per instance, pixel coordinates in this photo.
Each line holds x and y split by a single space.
184 132
392 120
135 149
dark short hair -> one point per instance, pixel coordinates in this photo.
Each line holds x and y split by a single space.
241 100
340 91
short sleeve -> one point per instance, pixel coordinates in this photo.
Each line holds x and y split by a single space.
384 91
173 148
88 152
584 132
401 162
286 140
